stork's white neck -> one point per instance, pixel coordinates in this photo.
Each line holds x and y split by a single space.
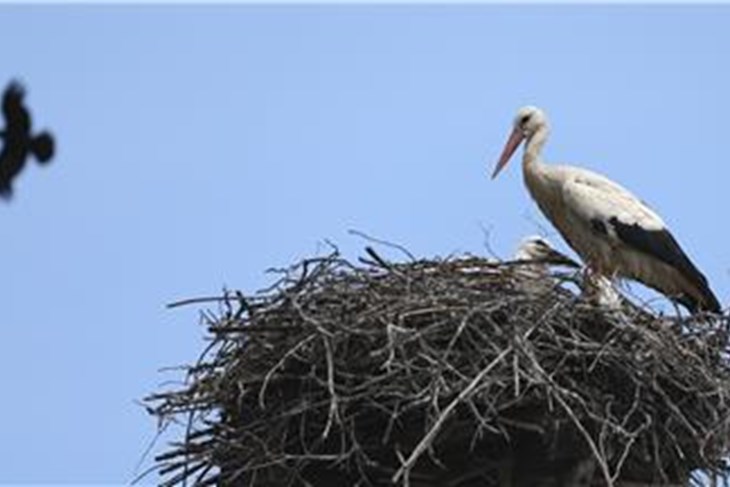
533 147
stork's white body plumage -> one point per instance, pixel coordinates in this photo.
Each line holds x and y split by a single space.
614 232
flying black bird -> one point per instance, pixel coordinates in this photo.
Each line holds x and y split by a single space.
18 140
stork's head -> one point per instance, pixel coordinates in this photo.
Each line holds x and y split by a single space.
532 248
539 249
528 121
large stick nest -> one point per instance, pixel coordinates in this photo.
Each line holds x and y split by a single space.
456 372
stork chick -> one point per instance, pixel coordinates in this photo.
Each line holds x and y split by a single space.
536 248
596 287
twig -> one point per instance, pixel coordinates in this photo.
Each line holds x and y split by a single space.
331 386
270 373
433 431
405 251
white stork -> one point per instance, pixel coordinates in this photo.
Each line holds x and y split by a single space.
537 249
536 259
615 233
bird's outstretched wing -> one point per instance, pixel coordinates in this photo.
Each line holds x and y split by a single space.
17 118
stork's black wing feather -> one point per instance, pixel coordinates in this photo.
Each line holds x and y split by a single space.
662 245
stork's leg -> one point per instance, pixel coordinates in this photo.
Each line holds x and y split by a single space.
590 274
598 287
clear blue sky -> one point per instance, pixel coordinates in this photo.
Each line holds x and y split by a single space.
199 146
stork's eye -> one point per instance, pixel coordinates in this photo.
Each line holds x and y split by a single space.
524 120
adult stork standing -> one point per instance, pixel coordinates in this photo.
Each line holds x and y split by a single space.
615 233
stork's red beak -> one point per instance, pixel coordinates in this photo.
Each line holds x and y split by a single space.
510 147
